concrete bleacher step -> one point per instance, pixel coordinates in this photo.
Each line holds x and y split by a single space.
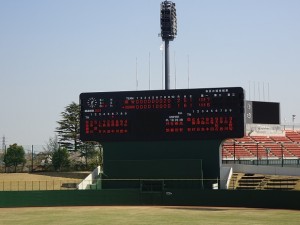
254 177
280 188
264 182
234 181
250 182
245 188
288 179
283 183
279 184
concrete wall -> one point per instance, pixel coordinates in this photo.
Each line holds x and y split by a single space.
89 179
225 175
271 170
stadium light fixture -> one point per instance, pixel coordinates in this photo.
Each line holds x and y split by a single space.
168 20
168 25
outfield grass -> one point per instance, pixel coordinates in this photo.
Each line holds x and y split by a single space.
42 176
39 181
155 215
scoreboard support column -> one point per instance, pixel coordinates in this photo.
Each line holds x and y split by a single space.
176 160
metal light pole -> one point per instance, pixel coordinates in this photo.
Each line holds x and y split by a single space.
282 155
268 150
167 66
168 25
4 156
293 118
162 66
257 153
234 152
31 158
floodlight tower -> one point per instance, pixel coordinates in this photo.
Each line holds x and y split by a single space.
168 25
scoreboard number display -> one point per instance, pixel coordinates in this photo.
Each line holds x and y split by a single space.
162 115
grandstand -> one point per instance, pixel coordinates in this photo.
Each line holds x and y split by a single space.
275 147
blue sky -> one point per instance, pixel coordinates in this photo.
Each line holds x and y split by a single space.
52 50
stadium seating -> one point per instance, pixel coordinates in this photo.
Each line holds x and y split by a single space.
257 150
238 150
293 148
261 139
294 136
262 147
281 139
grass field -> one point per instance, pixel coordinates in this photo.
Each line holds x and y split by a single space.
116 215
129 215
42 176
39 181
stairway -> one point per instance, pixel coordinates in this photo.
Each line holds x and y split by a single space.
233 181
250 182
281 183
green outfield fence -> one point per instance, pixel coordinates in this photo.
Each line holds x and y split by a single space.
138 192
168 197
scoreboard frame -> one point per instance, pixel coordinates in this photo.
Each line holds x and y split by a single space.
162 115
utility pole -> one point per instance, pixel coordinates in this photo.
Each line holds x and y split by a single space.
3 144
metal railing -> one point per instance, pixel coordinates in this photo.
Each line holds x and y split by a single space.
41 185
259 153
153 185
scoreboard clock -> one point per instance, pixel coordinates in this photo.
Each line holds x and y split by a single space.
182 114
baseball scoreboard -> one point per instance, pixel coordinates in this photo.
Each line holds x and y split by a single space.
182 114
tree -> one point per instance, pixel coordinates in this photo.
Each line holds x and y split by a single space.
60 159
92 150
15 155
52 145
68 136
68 129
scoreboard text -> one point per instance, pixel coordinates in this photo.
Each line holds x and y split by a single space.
184 114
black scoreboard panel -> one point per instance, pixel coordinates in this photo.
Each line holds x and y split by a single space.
266 112
182 114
